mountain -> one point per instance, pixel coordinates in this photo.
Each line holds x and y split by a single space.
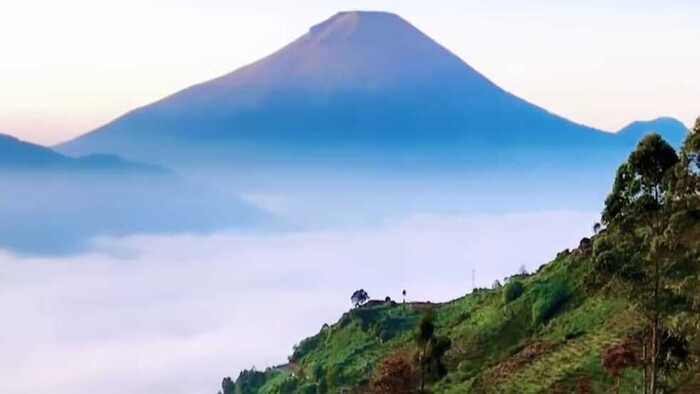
365 107
54 204
673 130
364 86
20 155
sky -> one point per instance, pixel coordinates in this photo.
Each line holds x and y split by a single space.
68 67
175 314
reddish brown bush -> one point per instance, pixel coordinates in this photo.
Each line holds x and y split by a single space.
617 358
396 375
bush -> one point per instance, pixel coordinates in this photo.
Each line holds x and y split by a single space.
305 347
308 388
248 382
549 299
288 386
334 377
396 374
512 291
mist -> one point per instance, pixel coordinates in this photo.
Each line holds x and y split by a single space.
156 314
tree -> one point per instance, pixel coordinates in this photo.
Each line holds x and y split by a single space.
645 253
228 386
248 382
513 289
522 271
641 183
426 329
687 175
433 348
359 297
596 227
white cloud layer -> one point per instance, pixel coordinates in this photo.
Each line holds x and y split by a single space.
146 315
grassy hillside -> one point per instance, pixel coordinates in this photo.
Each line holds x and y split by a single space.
581 324
497 346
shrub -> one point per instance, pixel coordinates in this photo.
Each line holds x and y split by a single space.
334 377
512 291
288 386
549 299
396 374
305 347
248 382
308 388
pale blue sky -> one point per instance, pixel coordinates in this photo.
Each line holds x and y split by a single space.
70 66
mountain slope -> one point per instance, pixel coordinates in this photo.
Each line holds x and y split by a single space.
499 344
19 155
54 204
360 83
15 154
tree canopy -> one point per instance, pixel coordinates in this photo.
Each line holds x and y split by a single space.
359 297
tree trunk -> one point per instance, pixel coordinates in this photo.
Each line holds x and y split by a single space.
655 336
645 365
654 356
655 320
422 369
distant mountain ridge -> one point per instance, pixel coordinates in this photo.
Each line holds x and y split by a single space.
673 130
16 154
55 204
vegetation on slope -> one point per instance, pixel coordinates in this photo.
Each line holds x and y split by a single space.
617 314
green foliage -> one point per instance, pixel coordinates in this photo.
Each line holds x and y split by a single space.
550 297
618 255
279 383
248 382
512 290
228 386
308 388
305 347
426 329
359 297
433 359
642 182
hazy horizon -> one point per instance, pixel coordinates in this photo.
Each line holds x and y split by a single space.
634 61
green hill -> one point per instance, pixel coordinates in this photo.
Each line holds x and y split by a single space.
583 323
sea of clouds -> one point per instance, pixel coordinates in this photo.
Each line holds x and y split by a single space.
174 314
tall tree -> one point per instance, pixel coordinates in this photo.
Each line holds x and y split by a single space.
646 251
426 330
432 350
